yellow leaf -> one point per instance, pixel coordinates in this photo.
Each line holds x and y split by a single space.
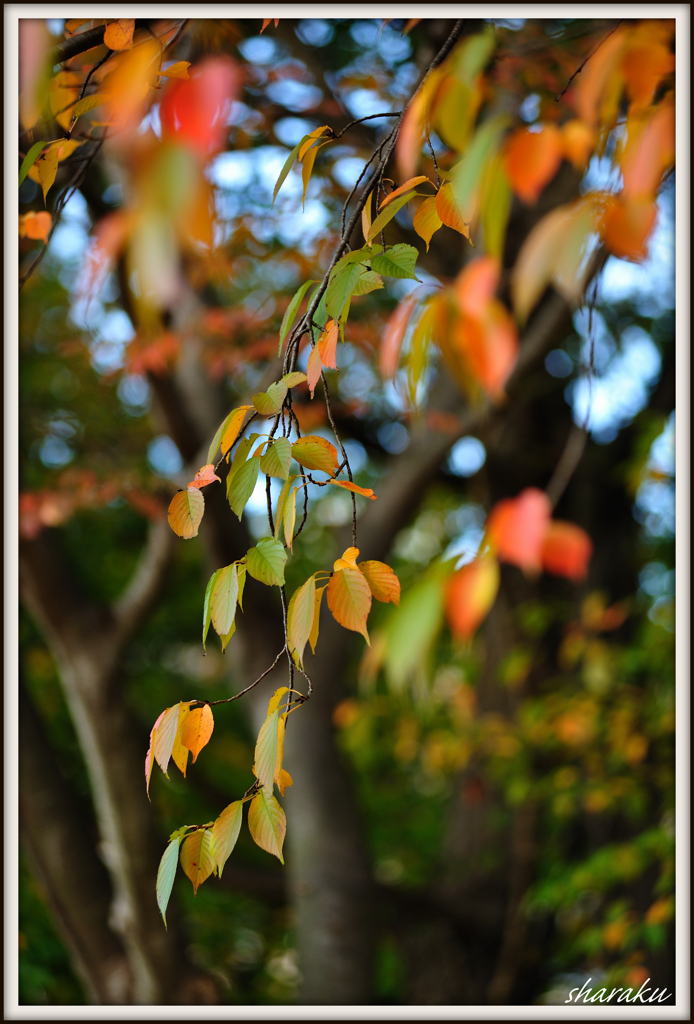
449 212
177 70
179 754
366 218
119 34
349 486
284 781
313 636
409 184
197 729
426 220
197 859
300 617
383 583
348 560
47 168
186 511
267 823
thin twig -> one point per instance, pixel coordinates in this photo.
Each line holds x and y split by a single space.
227 700
580 69
344 455
359 120
568 462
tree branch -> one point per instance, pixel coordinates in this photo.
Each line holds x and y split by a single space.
142 590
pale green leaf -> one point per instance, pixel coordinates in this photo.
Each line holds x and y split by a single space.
242 484
290 315
289 162
223 599
281 504
266 748
206 617
88 103
266 562
386 215
31 158
396 261
294 378
300 616
167 873
165 736
278 458
269 403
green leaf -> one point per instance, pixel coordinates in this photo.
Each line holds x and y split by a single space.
289 517
300 616
278 458
386 215
206 617
166 874
290 314
468 175
242 581
495 206
315 452
368 282
197 859
343 279
396 261
223 599
287 167
266 562
242 484
31 158
269 403
266 748
225 832
267 823
413 627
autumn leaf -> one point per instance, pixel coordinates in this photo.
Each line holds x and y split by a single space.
267 747
166 730
566 550
241 484
36 225
327 345
627 226
277 458
47 168
396 261
449 211
349 600
269 403
197 729
532 160
314 452
383 583
347 485
290 315
185 512
517 528
393 335
225 832
179 753
204 476
387 215
470 593
426 220
267 823
314 369
197 858
177 70
313 635
119 34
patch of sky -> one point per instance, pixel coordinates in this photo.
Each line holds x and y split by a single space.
558 363
364 102
356 453
151 122
365 32
466 457
315 31
55 26
107 349
394 437
622 381
393 46
135 393
302 228
113 195
529 109
259 50
232 170
655 499
514 24
346 171
294 95
356 380
55 453
240 114
466 527
290 130
163 456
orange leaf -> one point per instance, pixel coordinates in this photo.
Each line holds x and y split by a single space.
349 600
411 134
177 70
517 528
383 583
532 160
475 286
578 140
197 860
185 512
649 152
35 225
591 84
410 183
490 348
393 335
566 550
119 34
204 476
448 210
266 22
470 593
349 486
197 729
327 345
149 759
644 65
627 226
314 369
315 452
348 560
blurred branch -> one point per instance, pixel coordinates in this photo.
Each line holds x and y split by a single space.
146 582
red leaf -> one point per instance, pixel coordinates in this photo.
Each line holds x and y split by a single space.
470 593
517 528
204 476
566 550
193 112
